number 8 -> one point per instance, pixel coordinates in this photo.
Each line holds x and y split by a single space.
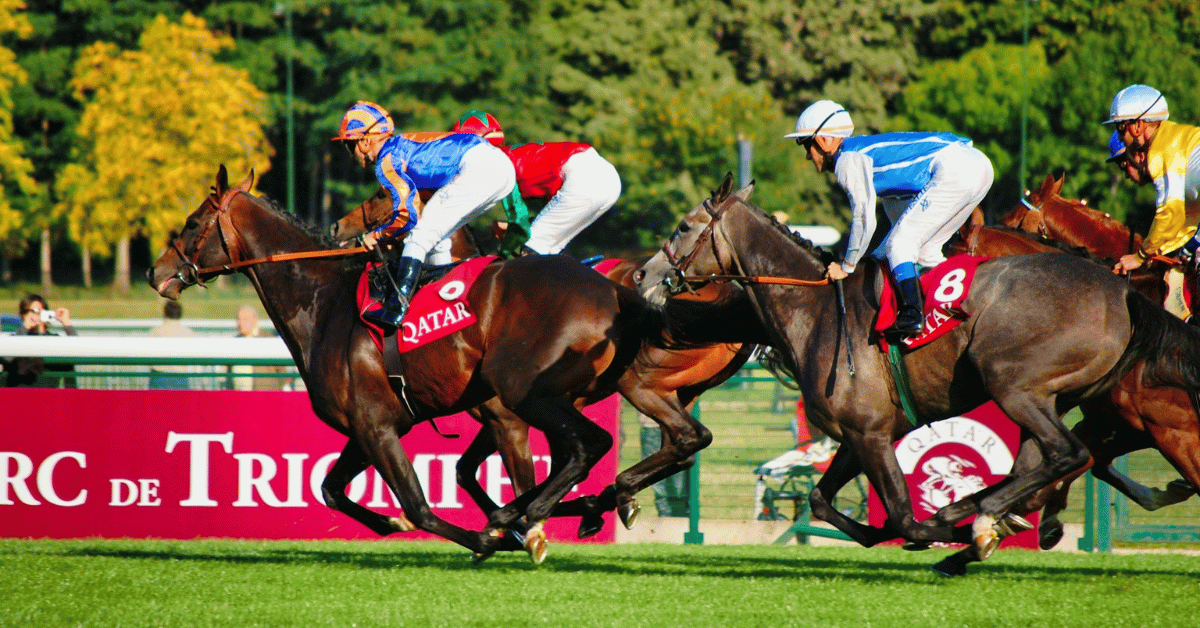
951 286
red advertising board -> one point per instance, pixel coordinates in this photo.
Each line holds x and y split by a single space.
187 464
947 460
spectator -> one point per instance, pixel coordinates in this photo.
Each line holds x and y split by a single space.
36 318
248 327
170 327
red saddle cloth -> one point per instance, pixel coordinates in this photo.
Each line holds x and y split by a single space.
438 309
944 287
606 265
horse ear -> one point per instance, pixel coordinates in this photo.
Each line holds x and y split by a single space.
222 180
722 191
247 183
744 193
1058 183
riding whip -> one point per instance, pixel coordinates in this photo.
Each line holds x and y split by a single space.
841 302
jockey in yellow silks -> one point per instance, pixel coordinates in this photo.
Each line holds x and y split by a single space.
1167 154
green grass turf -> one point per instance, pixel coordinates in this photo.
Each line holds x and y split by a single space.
243 583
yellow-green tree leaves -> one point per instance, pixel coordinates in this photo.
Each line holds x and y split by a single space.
15 180
157 122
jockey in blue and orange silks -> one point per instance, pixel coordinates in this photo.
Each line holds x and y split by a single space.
469 176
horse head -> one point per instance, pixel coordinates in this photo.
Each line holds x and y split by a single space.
207 241
366 217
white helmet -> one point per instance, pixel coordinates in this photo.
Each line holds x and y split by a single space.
1137 102
824 117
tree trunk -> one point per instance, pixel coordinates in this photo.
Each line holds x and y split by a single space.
85 258
121 272
47 281
5 268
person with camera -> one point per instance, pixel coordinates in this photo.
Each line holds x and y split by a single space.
36 319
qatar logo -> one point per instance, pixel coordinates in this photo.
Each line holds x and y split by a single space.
951 459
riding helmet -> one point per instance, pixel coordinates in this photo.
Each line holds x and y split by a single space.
1137 102
823 117
480 123
365 118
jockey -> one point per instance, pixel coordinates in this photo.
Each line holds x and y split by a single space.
468 174
928 182
1116 155
1168 155
579 183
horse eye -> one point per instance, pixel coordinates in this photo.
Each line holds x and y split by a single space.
683 227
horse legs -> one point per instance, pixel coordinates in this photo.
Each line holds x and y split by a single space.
501 431
877 458
350 463
842 469
380 440
576 445
683 436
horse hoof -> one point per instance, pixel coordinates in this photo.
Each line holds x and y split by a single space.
916 546
949 568
629 512
1011 524
987 539
590 526
1050 536
535 544
401 523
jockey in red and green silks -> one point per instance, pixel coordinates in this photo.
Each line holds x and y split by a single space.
469 176
579 184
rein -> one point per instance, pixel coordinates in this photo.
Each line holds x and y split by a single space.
228 234
707 236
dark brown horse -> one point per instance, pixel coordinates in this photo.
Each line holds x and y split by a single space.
1045 331
548 331
662 384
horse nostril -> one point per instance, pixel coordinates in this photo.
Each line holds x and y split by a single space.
333 230
638 276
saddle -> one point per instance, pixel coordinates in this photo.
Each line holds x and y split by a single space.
439 307
944 287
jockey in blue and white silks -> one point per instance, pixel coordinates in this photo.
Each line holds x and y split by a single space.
469 176
928 183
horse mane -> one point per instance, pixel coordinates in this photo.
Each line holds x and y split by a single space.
805 244
314 232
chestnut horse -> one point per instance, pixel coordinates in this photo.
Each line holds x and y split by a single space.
663 384
1045 332
1071 222
548 331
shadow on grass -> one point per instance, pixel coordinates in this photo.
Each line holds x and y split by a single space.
674 562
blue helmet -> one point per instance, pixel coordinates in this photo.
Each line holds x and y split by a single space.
1116 148
1137 102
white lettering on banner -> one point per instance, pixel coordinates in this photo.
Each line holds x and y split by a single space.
45 478
16 479
198 468
962 430
434 321
120 488
449 481
248 483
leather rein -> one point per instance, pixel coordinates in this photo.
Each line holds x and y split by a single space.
229 240
706 236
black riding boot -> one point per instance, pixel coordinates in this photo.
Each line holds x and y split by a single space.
910 314
392 307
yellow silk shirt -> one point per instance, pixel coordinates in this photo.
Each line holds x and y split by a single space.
1173 162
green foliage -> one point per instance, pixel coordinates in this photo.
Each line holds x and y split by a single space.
157 121
17 186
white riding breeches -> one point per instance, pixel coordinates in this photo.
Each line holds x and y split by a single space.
485 176
961 177
590 187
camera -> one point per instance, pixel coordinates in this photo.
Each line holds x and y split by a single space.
48 316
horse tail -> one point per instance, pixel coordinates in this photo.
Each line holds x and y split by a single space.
1169 347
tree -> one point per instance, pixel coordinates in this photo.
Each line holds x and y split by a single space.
17 186
157 122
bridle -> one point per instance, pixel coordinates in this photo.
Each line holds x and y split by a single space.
1041 228
708 238
189 273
